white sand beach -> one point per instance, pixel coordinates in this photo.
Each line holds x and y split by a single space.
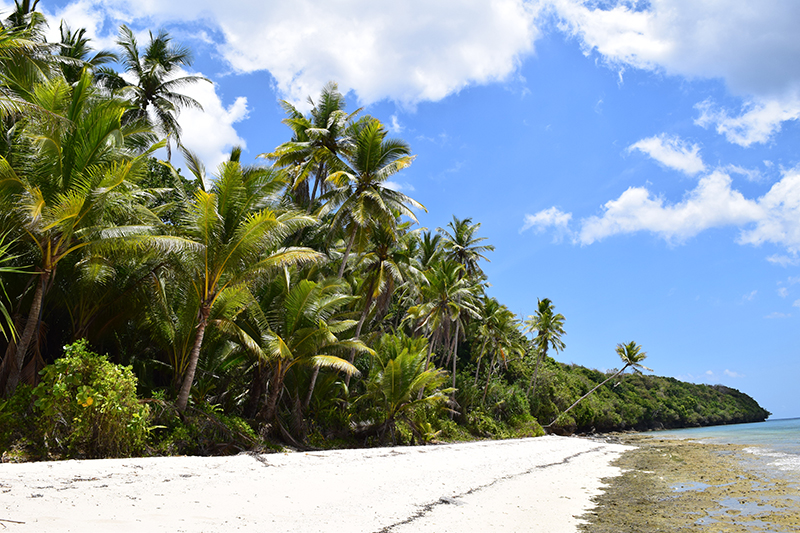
537 484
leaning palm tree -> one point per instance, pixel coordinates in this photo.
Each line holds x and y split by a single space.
549 327
154 86
360 195
231 237
632 357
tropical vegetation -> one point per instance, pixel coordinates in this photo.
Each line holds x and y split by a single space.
294 302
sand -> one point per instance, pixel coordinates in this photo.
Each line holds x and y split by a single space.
540 484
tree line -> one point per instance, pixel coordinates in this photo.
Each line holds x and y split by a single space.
293 301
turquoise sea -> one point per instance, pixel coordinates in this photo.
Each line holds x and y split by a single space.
774 444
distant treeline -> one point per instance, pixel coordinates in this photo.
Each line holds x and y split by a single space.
635 402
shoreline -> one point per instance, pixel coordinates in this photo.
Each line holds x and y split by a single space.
535 484
671 484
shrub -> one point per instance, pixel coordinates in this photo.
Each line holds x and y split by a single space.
87 407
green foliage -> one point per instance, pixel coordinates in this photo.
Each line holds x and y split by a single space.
200 430
18 426
87 407
636 402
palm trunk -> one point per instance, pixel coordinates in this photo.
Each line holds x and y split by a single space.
454 352
588 393
478 370
194 356
360 325
317 181
275 385
488 378
31 325
532 383
347 253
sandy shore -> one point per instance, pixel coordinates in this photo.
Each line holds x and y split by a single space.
538 484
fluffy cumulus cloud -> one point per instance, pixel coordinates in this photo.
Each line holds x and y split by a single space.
752 46
672 152
771 218
409 51
210 133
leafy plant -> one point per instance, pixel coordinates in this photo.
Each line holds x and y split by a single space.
87 407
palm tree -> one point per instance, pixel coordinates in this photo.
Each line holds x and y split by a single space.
448 297
400 380
75 54
6 257
549 327
631 355
462 246
230 237
499 329
66 182
300 324
317 141
155 82
359 180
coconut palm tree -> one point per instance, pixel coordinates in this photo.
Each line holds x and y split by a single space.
66 183
6 267
631 355
499 329
230 237
462 246
360 195
299 323
316 142
155 81
400 380
448 297
549 328
76 54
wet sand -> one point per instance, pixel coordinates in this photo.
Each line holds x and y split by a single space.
679 485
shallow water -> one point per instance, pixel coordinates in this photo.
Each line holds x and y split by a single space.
774 444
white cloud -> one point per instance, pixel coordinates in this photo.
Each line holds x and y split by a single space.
412 51
776 314
548 218
395 126
210 133
753 175
749 297
748 45
753 47
711 204
757 123
783 292
732 374
672 152
396 186
783 260
772 218
796 303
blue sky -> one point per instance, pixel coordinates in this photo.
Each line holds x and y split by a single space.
635 162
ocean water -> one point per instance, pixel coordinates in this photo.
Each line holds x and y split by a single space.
774 444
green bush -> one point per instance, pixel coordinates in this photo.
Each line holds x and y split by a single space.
18 428
87 407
